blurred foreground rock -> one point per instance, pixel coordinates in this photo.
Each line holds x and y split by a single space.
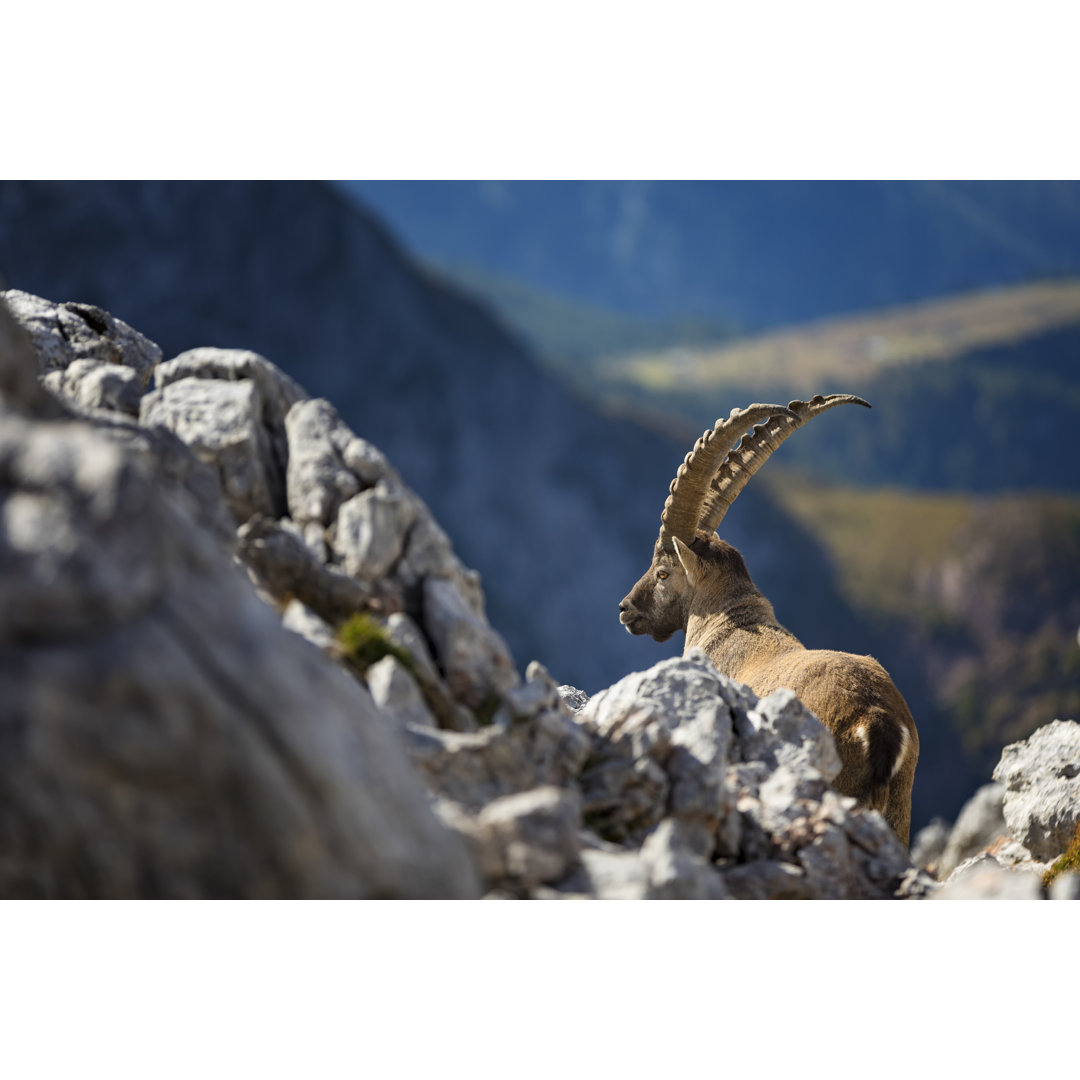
1019 837
241 658
164 735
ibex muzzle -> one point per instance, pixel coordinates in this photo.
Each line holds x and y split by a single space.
698 583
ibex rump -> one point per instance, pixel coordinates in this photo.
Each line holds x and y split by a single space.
700 584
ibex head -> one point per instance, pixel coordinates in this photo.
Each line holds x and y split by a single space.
687 553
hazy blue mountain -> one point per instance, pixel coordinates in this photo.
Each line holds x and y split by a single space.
752 253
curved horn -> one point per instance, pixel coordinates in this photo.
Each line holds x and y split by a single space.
683 509
753 450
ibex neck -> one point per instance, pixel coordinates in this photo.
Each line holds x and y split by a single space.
739 633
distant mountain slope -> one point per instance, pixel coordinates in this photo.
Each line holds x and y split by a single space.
972 393
568 335
804 357
753 253
986 590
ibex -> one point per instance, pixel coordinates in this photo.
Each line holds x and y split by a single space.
700 584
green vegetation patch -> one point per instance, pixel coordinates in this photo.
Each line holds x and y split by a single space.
1069 863
364 642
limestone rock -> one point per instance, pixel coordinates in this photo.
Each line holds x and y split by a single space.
318 478
277 392
394 690
929 843
164 735
300 619
782 731
184 480
371 531
529 838
984 878
474 768
573 698
284 568
661 742
474 658
93 385
767 879
678 863
979 824
220 422
72 333
608 875
1041 778
71 560
1066 887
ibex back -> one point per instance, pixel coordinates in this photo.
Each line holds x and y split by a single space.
700 584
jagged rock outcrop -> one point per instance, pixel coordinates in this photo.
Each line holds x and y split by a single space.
979 825
164 735
335 716
1012 836
1041 777
696 788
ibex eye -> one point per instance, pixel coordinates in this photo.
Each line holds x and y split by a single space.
661 574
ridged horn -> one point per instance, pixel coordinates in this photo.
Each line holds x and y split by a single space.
683 509
754 449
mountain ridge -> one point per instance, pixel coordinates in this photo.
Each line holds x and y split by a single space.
757 254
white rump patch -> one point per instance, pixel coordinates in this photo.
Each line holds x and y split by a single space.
905 740
863 734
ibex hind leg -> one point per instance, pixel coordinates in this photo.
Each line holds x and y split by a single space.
879 766
894 751
898 808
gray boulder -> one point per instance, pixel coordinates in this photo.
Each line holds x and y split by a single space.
1041 778
982 877
74 342
928 845
164 734
229 407
529 838
980 824
661 743
473 769
732 789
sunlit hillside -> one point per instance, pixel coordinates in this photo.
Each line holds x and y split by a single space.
976 393
801 359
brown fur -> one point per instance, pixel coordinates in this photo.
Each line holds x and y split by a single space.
708 593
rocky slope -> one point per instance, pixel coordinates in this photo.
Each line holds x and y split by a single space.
170 533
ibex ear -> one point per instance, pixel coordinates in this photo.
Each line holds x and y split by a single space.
691 564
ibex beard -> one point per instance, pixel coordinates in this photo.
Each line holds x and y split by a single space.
699 584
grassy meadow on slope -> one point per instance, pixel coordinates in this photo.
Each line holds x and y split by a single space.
802 358
985 591
977 393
